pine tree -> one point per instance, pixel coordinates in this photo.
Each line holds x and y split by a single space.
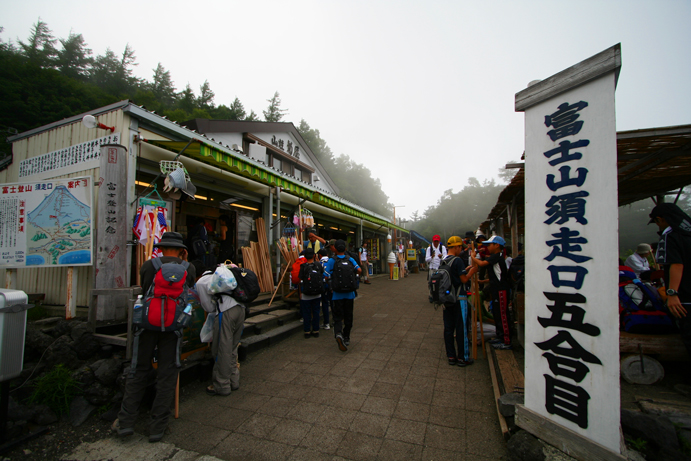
206 96
237 110
162 87
74 59
40 48
186 99
274 113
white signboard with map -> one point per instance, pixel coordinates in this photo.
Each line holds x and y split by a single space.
46 223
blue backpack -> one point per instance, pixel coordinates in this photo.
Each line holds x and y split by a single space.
641 309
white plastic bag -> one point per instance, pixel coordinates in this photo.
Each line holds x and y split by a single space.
222 281
206 334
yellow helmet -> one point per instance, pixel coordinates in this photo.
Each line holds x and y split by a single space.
454 241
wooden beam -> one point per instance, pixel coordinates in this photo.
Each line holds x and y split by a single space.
495 386
602 63
657 158
666 347
566 440
510 373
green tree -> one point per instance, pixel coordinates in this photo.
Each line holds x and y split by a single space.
162 87
274 113
74 59
206 96
317 145
40 47
457 213
507 174
187 100
252 117
6 47
115 74
237 110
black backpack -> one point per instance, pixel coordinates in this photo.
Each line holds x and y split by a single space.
343 277
517 272
248 285
312 278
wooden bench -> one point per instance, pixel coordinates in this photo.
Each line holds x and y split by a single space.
663 347
121 340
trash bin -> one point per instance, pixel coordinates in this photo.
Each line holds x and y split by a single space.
13 307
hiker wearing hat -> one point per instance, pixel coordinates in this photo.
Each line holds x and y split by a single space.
499 285
456 315
674 255
638 261
435 253
174 251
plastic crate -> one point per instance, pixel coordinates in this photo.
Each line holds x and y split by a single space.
13 307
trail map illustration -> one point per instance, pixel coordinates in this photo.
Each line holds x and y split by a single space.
48 223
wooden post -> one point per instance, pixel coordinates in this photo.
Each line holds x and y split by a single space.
71 302
113 225
10 279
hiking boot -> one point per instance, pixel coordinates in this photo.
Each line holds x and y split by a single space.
502 346
367 282
341 344
122 432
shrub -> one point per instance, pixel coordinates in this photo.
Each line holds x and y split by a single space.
56 389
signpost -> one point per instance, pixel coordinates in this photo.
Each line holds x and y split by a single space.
572 334
113 230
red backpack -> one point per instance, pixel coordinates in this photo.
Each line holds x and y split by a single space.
166 299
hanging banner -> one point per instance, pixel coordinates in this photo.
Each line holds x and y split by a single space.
71 159
571 313
46 223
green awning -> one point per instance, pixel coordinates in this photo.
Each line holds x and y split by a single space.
236 164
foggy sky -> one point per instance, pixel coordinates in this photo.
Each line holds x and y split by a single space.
422 93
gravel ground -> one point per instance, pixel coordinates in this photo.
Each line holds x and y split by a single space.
59 441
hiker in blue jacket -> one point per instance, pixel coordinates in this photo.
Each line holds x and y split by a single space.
343 301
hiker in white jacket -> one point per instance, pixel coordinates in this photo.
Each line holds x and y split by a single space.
435 253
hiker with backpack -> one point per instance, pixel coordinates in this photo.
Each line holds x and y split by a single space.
328 293
343 272
638 261
311 280
499 287
199 243
447 287
165 284
435 253
227 331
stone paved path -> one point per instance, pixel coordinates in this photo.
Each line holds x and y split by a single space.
392 396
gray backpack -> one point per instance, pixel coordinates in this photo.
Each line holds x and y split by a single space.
441 290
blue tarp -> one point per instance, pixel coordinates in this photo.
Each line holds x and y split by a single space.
419 237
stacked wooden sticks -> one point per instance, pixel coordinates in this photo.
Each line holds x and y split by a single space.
256 258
